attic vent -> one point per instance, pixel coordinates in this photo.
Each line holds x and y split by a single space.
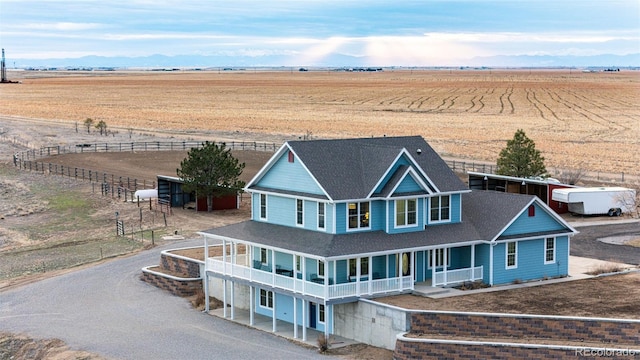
290 157
419 151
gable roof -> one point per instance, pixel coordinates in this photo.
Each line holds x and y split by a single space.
487 214
351 168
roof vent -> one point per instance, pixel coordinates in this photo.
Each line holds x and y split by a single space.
419 151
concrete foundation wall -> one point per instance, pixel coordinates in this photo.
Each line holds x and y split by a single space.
370 322
241 292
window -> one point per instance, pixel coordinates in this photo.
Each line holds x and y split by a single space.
321 315
549 250
440 208
532 211
299 212
406 212
266 299
320 215
263 256
298 263
512 255
364 267
358 215
263 206
291 157
443 257
320 269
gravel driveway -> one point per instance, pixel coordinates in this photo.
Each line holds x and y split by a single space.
107 310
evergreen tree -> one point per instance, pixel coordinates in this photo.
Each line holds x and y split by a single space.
211 171
520 158
88 122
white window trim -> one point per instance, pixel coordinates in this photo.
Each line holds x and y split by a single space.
359 228
318 269
431 221
406 214
506 255
301 210
268 294
362 269
553 261
324 215
262 203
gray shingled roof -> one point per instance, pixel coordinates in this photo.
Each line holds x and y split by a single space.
485 215
350 168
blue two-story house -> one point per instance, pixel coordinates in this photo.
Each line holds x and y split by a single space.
334 221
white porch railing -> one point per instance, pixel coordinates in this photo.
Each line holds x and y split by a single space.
336 291
457 276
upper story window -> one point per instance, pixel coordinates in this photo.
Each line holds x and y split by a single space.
320 269
440 208
299 212
264 256
358 215
406 213
263 206
321 206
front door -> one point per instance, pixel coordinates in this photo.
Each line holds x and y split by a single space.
312 315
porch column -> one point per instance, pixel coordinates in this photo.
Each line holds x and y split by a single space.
303 268
233 300
473 262
445 263
304 320
370 271
358 274
326 321
273 313
400 271
252 304
273 268
433 267
206 276
491 263
412 266
224 298
295 316
224 256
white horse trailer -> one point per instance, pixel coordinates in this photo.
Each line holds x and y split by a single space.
613 201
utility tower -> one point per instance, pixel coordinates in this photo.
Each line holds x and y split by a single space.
3 75
4 70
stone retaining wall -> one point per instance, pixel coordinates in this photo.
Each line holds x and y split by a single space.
179 265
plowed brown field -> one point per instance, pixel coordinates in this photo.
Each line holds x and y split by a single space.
588 121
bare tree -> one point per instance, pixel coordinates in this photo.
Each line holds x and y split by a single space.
572 176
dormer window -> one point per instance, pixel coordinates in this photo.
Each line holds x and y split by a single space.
406 213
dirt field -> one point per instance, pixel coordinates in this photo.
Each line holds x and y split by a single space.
578 120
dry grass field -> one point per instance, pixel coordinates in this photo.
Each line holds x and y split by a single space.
578 120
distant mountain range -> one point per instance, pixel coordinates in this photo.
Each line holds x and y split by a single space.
336 60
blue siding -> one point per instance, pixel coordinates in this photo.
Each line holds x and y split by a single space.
542 221
377 211
292 176
420 267
530 261
482 258
284 310
378 264
341 218
460 257
408 185
281 211
456 206
342 274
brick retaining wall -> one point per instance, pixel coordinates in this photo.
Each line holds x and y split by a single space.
179 265
606 331
433 349
177 286
615 335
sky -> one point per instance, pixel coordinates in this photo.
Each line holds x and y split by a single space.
386 33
